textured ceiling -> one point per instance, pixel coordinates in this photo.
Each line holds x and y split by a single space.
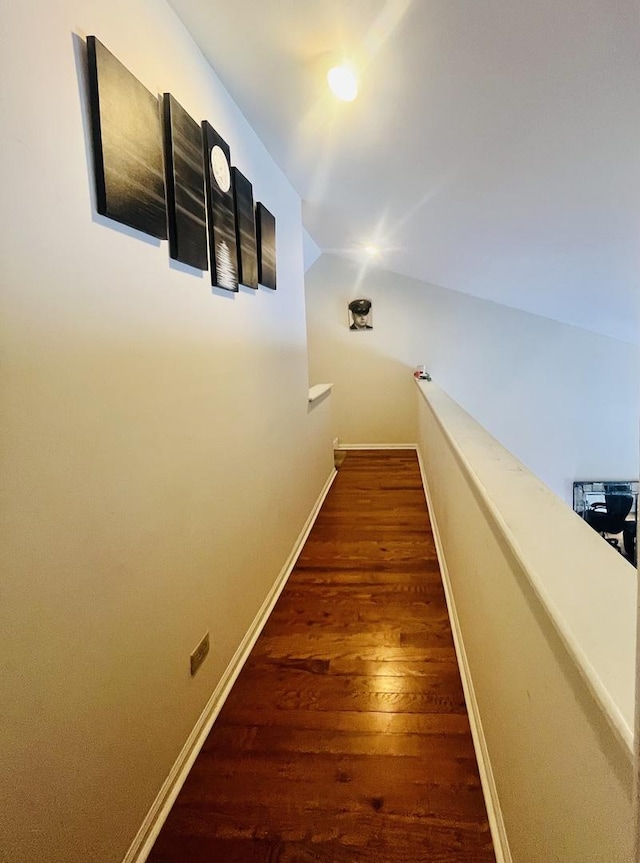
493 149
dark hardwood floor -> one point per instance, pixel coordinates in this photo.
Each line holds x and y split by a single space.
345 738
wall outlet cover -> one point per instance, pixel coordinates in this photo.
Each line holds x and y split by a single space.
199 654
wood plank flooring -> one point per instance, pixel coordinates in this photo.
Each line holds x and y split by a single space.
345 738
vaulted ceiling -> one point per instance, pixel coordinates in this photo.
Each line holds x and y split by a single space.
493 148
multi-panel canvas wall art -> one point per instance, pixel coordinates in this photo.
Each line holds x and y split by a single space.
245 230
127 145
160 172
266 233
186 217
223 254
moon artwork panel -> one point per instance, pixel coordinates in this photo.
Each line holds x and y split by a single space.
127 145
266 233
245 230
221 215
186 216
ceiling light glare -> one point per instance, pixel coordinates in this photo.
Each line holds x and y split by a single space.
372 250
343 82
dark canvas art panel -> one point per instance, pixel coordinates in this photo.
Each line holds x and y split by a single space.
186 216
245 230
127 145
221 213
266 233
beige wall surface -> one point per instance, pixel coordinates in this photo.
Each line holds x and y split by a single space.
565 401
158 456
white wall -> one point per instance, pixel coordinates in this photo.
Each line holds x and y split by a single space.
562 399
547 644
158 455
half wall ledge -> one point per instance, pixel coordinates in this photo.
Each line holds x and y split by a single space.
317 391
586 588
543 614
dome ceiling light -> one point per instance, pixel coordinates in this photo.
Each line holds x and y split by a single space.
343 82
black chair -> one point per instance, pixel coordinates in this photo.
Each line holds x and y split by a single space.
629 539
610 517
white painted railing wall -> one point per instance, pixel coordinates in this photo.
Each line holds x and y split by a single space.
544 618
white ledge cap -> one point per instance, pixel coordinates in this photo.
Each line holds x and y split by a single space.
318 390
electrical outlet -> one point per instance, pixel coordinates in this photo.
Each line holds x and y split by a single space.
199 654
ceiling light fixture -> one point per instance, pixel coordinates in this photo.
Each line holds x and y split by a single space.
343 82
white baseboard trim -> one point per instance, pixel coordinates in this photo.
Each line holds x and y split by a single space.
143 842
489 790
377 446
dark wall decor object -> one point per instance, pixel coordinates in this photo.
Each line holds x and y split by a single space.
221 214
360 317
266 234
184 172
127 145
186 189
245 230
